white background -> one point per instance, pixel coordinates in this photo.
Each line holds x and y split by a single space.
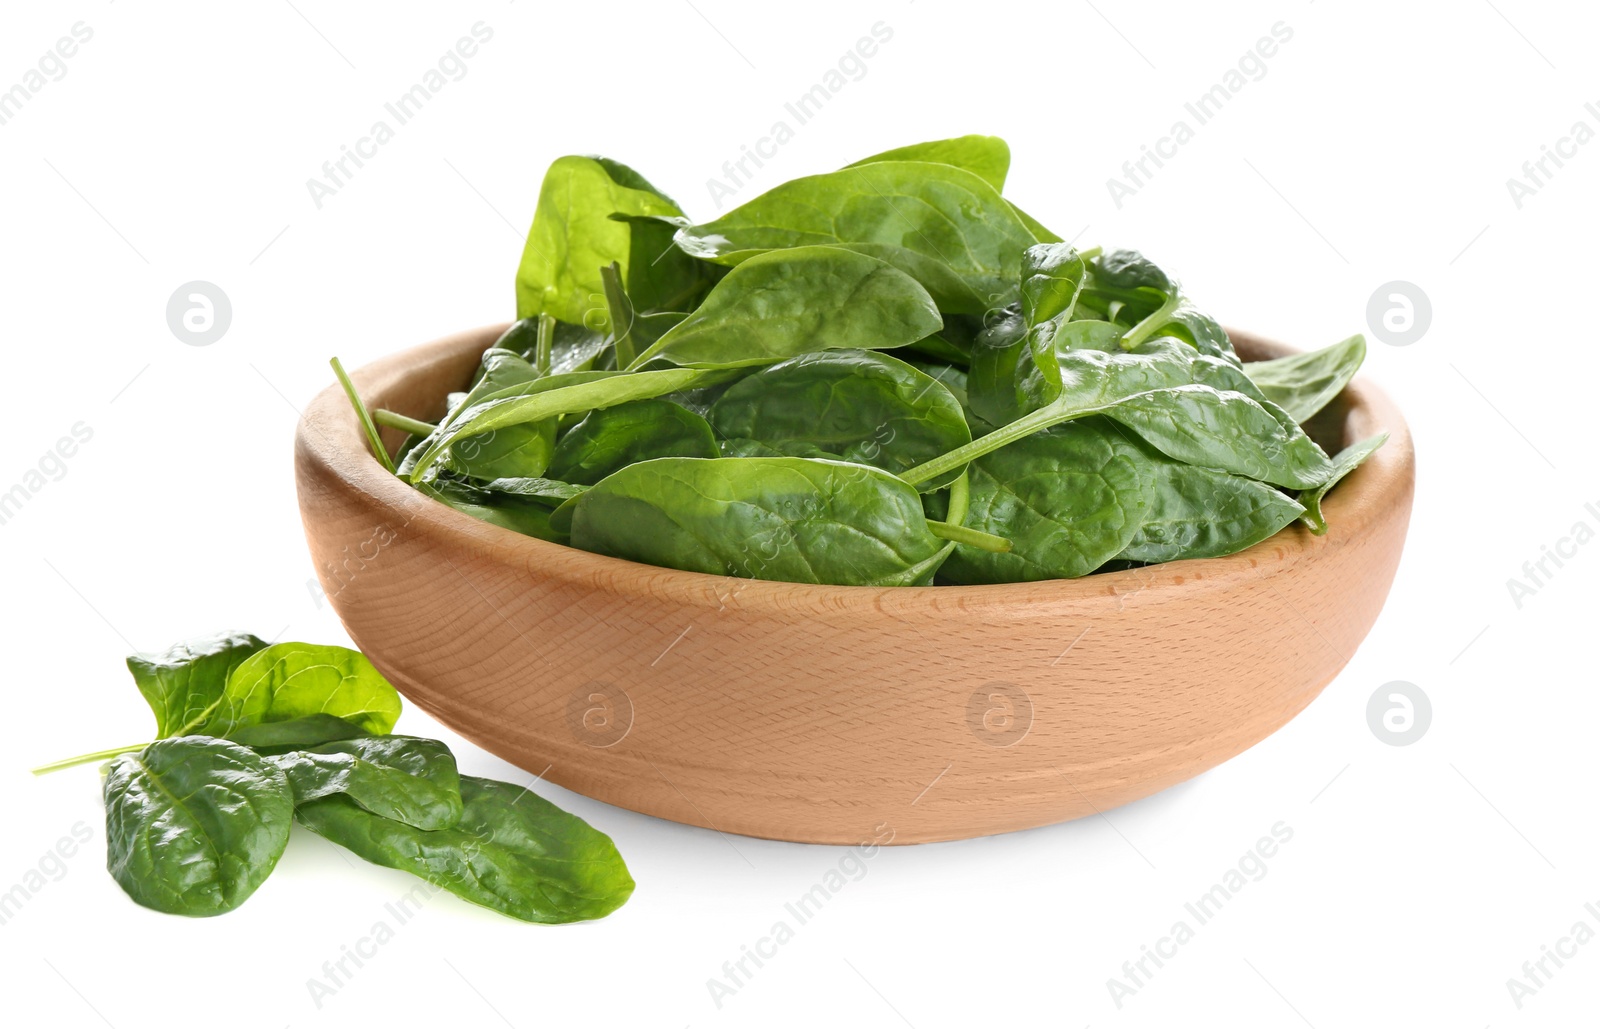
1376 148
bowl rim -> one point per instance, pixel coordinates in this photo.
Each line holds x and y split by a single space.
330 445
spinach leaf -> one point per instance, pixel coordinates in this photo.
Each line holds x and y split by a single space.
944 226
547 491
574 348
1069 499
1150 391
511 451
783 518
194 824
1129 269
1200 331
1303 384
1015 363
293 680
856 405
405 778
512 851
780 304
613 437
310 731
591 212
520 450
1202 512
184 686
530 404
1345 462
527 515
987 157
950 377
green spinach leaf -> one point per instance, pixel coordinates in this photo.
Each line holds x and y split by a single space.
184 686
1202 512
856 405
1069 499
293 680
1303 384
530 404
512 851
988 157
527 515
1150 391
614 437
194 824
405 778
944 226
310 731
591 212
789 302
1345 462
783 518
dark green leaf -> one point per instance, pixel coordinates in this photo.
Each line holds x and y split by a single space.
1200 331
405 778
184 686
527 515
783 518
531 404
1201 512
548 491
944 226
790 302
194 824
856 405
1151 391
1069 499
1303 384
511 851
614 437
1345 462
310 731
1129 269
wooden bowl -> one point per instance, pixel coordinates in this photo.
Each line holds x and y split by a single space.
838 714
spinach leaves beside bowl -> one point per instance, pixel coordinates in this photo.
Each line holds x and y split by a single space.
252 737
882 375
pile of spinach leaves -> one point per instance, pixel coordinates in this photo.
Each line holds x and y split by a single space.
252 737
883 375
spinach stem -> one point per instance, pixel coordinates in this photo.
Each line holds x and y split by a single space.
83 759
621 316
1027 425
971 537
960 497
1153 321
546 340
364 416
395 420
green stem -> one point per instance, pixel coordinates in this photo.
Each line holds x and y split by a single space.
960 497
621 317
364 416
1153 321
395 420
1027 425
546 341
83 759
971 537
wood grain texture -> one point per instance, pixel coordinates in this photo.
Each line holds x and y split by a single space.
835 714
